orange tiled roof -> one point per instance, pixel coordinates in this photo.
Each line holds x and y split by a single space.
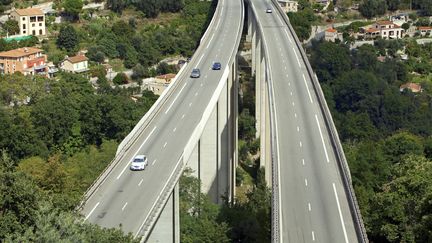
331 30
77 58
166 76
29 11
384 22
20 52
425 28
372 30
412 86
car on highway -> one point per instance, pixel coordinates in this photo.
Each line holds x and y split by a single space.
139 162
195 73
269 10
216 66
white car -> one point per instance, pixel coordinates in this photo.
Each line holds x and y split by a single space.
269 10
139 162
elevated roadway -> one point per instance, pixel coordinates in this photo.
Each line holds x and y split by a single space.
314 205
126 199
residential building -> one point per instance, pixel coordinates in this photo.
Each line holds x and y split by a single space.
31 21
372 33
27 60
288 5
51 69
425 30
75 64
415 88
388 29
330 35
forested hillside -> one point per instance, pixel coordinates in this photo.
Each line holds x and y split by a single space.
386 133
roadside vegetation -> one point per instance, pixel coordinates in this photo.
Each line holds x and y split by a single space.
386 132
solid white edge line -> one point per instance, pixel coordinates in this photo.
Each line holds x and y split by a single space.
340 214
127 164
307 88
298 60
289 38
322 139
196 66
172 103
97 204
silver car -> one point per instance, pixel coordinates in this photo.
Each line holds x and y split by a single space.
195 73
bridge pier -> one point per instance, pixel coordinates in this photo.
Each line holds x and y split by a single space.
167 227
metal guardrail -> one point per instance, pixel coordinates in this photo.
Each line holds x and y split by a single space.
341 159
276 236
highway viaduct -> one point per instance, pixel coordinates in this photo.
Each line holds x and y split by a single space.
194 124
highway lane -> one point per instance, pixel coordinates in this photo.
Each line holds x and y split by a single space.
314 205
126 197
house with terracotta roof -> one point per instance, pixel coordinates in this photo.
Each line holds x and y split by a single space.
424 30
372 33
27 60
31 21
330 35
75 64
388 29
415 88
288 5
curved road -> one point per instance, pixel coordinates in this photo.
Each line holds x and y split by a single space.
125 198
314 205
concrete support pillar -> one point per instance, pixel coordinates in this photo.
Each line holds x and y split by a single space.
167 227
259 81
249 25
254 45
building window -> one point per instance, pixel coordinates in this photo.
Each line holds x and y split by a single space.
23 18
24 31
33 19
34 32
33 25
40 18
24 27
40 32
40 24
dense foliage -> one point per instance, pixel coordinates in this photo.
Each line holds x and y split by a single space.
386 133
302 20
372 8
59 135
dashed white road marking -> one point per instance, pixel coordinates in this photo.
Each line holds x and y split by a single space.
196 93
301 145
139 149
97 204
309 207
313 236
322 139
175 128
303 161
293 103
291 93
306 183
165 144
199 60
295 115
183 116
201 84
124 206
289 83
139 184
298 129
190 104
340 214
154 161
289 38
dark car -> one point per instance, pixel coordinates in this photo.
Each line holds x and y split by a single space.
195 73
216 66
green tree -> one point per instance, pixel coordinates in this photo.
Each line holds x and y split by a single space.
372 8
116 5
11 26
330 60
401 144
151 8
403 205
68 38
73 8
120 78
